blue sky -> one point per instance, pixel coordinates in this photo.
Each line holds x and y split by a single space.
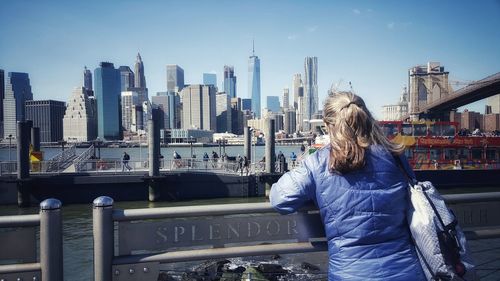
370 43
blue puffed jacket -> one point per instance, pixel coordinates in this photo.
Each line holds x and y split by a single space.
363 211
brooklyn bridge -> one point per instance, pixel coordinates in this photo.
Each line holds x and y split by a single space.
432 97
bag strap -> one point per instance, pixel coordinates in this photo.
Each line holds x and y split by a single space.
402 167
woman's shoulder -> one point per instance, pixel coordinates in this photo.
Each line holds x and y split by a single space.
318 159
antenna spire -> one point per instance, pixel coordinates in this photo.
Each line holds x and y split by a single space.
253 47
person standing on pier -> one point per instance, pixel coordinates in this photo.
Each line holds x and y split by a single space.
361 193
125 160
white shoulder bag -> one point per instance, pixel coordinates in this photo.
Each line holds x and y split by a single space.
440 243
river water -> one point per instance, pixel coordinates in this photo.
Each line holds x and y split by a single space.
77 222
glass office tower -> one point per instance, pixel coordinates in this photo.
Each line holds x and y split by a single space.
107 84
254 82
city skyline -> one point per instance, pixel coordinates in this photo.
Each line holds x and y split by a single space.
371 44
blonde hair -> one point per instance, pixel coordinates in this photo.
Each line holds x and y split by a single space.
352 129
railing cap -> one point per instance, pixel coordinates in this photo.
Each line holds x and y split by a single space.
103 201
50 204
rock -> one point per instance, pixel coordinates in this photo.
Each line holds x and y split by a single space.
251 273
164 276
309 266
272 271
209 270
232 274
276 257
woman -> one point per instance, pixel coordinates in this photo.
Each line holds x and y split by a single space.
361 193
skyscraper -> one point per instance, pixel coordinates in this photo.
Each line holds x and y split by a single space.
494 103
2 94
246 104
310 87
129 102
273 104
223 112
108 94
140 79
210 79
229 81
17 92
175 78
300 109
254 82
160 102
198 107
79 122
87 82
297 82
127 78
48 116
286 99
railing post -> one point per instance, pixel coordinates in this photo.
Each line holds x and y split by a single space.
51 249
103 229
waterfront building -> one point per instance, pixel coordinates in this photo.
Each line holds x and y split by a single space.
2 89
210 79
223 112
471 120
297 82
300 109
79 121
137 125
278 120
17 92
129 102
126 78
494 103
87 82
236 103
246 104
273 104
310 88
160 102
174 110
108 96
175 78
254 82
199 107
492 122
397 111
140 78
428 83
290 122
48 116
169 104
142 94
286 99
259 124
229 81
198 136
237 116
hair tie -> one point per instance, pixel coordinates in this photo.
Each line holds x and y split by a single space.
349 104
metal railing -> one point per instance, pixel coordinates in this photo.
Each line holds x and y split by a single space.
80 161
148 237
61 160
18 245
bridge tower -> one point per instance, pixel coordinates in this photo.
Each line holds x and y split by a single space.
427 84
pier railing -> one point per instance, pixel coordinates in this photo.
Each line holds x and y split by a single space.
61 160
149 237
81 160
18 250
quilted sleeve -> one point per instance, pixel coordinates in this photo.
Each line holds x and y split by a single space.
292 190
